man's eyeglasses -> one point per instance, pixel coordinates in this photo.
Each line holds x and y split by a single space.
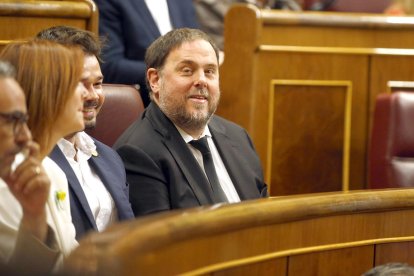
17 119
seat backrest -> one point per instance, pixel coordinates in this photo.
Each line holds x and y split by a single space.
122 106
391 153
23 19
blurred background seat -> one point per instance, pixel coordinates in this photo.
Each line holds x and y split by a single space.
122 106
391 153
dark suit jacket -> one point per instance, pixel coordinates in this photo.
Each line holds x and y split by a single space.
130 29
109 167
163 173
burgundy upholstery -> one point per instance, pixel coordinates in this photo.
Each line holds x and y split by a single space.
391 153
122 106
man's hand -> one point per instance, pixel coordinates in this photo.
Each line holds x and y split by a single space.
30 185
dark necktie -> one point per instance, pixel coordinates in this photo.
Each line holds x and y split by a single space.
202 146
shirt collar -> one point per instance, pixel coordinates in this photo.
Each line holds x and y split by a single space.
83 142
187 137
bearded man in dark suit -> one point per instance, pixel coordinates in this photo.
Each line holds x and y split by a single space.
166 168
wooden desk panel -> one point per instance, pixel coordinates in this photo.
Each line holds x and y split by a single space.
291 235
354 261
24 19
309 124
395 252
262 46
385 68
398 85
300 66
272 267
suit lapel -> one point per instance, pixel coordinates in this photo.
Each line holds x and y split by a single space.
182 155
231 159
191 170
73 182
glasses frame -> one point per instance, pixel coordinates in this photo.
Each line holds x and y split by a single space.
17 119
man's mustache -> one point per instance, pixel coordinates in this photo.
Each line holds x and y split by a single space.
200 92
90 104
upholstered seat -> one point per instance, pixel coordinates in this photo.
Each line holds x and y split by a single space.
122 106
391 153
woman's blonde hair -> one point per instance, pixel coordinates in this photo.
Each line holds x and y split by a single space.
48 73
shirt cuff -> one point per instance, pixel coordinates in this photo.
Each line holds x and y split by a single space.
32 255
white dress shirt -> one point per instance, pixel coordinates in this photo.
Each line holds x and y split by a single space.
99 199
57 214
160 14
222 174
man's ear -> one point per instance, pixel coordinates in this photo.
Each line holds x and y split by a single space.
153 78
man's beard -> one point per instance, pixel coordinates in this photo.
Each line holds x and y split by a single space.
92 104
175 110
90 124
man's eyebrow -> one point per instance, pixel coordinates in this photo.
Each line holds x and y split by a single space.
186 61
14 115
191 62
212 65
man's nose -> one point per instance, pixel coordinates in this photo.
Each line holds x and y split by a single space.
23 136
91 93
201 80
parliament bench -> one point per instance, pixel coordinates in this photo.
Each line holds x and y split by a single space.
338 233
304 84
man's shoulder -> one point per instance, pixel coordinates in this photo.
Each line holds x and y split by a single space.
102 146
104 151
139 135
146 130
